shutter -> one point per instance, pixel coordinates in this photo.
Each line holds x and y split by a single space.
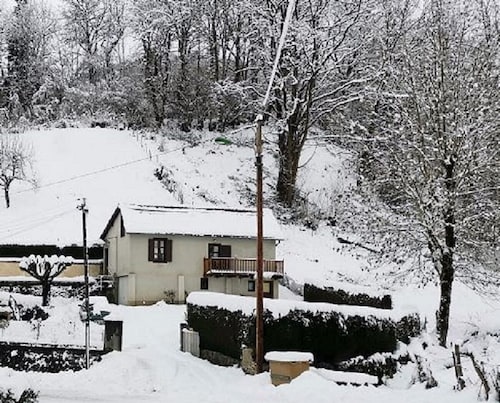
151 245
225 251
168 250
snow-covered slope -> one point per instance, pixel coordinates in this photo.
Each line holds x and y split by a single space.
108 167
104 166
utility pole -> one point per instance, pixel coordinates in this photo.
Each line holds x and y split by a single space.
83 208
259 325
259 333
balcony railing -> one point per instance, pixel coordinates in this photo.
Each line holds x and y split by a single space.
236 266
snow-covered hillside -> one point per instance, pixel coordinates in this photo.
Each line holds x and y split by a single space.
108 167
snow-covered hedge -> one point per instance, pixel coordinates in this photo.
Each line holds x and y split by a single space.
43 359
340 296
333 333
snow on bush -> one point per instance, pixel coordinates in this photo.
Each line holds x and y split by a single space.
333 333
341 296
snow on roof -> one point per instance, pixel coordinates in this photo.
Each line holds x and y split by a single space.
179 220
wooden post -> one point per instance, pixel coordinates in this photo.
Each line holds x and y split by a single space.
458 367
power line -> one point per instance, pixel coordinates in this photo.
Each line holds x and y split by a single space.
35 224
99 171
30 217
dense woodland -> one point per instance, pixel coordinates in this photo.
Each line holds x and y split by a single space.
411 87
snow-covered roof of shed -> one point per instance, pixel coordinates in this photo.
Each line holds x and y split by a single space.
207 221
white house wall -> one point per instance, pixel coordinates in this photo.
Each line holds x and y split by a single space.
154 280
236 286
118 250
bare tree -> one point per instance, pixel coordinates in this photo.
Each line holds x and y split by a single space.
433 144
95 28
315 74
45 269
28 32
15 163
152 27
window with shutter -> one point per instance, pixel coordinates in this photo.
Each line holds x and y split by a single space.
160 250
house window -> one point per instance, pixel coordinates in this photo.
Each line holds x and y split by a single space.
160 250
219 250
251 285
204 283
268 289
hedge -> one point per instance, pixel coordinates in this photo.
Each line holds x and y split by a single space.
332 337
44 359
340 297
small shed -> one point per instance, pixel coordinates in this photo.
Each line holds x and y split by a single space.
287 365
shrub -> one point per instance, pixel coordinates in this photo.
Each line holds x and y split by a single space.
220 330
33 313
28 396
43 359
341 297
331 336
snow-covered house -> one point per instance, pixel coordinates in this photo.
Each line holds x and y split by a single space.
159 252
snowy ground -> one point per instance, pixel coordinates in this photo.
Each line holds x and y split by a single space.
152 369
108 167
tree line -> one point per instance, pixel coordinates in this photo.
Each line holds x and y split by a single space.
410 86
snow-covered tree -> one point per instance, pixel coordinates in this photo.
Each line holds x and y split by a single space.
432 141
45 269
15 163
315 74
94 28
27 34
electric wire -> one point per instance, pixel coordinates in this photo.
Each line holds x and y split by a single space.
35 224
99 171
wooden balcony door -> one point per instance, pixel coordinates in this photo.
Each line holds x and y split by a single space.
217 250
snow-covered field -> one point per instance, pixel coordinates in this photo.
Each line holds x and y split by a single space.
152 369
108 167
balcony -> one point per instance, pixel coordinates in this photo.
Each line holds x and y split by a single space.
232 266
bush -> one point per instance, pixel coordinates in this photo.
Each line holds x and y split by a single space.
43 359
33 313
332 337
341 297
28 396
221 330
379 365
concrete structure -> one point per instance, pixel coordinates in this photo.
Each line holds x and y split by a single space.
284 366
164 253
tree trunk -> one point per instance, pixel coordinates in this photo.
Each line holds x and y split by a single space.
152 75
6 195
214 50
290 151
446 282
447 268
45 292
